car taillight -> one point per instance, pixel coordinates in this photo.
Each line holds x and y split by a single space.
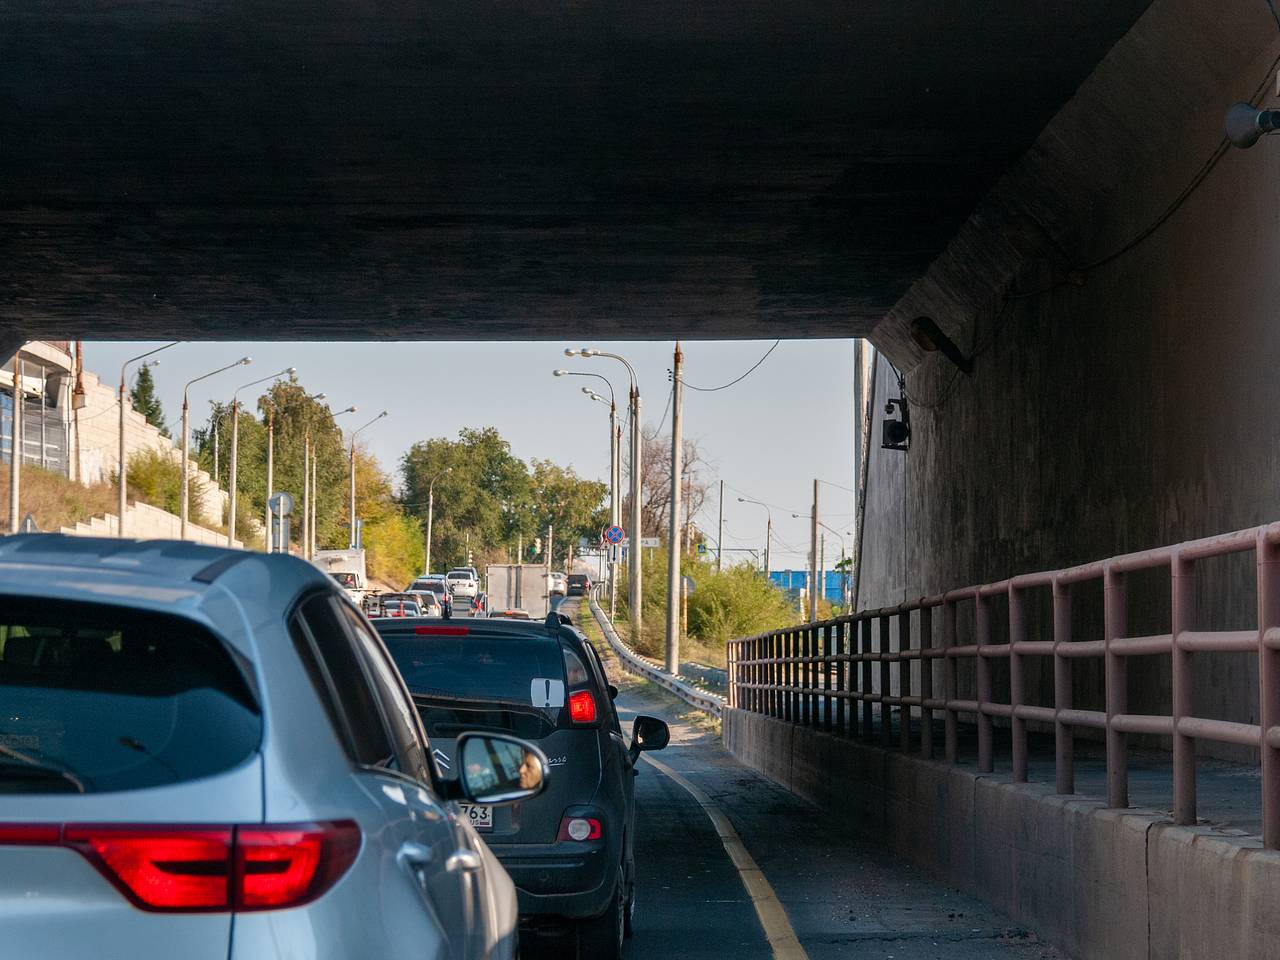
287 866
160 868
582 707
207 868
580 829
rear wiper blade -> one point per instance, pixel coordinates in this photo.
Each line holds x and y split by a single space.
449 699
11 769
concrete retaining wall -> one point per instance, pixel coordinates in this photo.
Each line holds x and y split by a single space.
145 522
1100 884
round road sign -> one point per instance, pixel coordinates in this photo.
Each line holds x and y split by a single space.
281 504
614 534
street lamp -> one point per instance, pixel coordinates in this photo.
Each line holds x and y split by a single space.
353 473
431 509
186 438
822 566
306 477
768 530
615 471
634 556
315 490
235 455
124 467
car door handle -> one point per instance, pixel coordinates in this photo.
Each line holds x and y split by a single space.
416 854
463 861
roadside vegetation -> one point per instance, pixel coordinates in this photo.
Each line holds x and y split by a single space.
54 501
735 602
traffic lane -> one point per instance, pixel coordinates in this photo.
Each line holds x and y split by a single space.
690 901
845 896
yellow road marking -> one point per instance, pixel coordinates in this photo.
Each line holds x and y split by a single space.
777 928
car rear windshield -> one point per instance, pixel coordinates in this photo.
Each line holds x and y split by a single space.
469 682
577 579
98 698
428 586
463 575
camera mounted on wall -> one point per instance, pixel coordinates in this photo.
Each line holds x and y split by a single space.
896 434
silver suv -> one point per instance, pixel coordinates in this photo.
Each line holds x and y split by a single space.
197 742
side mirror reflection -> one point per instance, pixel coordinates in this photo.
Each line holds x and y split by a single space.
648 733
497 769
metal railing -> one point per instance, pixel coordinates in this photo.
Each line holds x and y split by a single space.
690 693
811 674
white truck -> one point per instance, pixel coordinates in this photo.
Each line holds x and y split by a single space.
514 586
347 567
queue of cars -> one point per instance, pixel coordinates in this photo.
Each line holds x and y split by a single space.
199 741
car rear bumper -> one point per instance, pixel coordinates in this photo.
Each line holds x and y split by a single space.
570 880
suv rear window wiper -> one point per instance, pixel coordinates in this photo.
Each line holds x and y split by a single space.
12 770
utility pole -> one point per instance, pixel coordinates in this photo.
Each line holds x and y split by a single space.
315 503
15 445
546 581
673 537
768 539
306 494
822 566
271 452
813 557
720 533
634 553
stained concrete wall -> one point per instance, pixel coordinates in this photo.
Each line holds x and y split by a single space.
1100 884
1135 403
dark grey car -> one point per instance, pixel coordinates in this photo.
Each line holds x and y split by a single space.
570 850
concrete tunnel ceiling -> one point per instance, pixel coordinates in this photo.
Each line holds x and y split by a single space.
507 169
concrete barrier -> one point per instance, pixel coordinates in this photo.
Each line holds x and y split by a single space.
1101 884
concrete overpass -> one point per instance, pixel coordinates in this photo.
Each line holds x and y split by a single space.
508 169
1047 182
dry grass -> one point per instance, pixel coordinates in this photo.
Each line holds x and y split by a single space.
54 501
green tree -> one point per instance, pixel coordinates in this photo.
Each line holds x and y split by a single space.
145 401
572 506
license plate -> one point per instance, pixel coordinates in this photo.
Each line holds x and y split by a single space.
478 816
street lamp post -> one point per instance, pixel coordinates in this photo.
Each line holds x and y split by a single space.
235 456
615 456
431 509
306 477
124 467
315 491
633 553
186 439
768 530
353 474
615 471
822 565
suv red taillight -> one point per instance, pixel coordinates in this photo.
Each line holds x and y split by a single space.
207 868
582 707
580 829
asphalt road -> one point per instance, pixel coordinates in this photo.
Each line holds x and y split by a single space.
843 896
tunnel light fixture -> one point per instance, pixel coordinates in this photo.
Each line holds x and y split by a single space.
896 434
928 336
1246 124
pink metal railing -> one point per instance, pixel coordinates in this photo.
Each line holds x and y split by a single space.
811 674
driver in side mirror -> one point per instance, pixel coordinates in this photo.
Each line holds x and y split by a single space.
648 733
497 769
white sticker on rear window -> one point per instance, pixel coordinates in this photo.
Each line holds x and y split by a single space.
546 693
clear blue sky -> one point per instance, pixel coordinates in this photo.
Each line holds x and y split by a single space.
767 437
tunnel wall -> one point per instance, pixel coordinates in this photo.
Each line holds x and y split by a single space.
1100 884
1113 408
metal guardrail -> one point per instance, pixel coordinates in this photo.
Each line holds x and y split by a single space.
810 674
690 694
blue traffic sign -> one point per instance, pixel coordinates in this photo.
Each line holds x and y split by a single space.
614 534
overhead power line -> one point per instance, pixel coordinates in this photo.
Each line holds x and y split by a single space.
752 369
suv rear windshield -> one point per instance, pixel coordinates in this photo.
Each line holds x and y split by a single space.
99 698
578 579
460 575
473 683
427 586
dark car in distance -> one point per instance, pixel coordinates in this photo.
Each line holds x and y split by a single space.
571 850
579 585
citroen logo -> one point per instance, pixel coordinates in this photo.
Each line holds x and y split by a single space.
442 758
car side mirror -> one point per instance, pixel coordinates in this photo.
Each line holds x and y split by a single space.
497 769
648 733
613 692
